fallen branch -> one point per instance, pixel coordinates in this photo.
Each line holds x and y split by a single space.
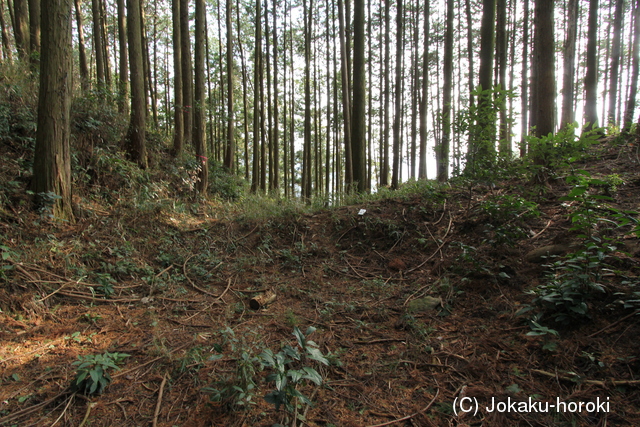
184 270
575 378
613 324
159 403
408 417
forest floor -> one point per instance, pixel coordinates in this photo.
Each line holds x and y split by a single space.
415 299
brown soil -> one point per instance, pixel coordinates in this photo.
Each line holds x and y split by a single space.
181 280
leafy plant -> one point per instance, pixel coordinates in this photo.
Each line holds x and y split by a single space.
237 390
92 372
537 330
289 372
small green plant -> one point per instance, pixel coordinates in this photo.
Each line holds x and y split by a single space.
238 390
92 372
570 284
506 216
537 330
289 372
105 284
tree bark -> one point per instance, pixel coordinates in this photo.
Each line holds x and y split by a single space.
178 115
123 80
6 50
422 168
615 61
568 77
544 93
52 160
358 135
136 135
230 149
442 153
82 55
346 96
395 172
187 72
34 31
591 77
21 28
635 69
98 43
199 134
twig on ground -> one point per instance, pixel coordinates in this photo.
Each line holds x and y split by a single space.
408 417
159 403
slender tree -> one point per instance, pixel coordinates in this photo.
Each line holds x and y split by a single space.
178 115
199 110
230 148
306 156
346 95
82 55
569 66
635 69
34 31
591 77
482 146
525 81
123 64
397 131
52 160
615 61
424 102
6 50
21 28
358 133
442 153
136 135
98 42
543 93
187 72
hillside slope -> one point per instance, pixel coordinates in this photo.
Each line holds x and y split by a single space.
419 299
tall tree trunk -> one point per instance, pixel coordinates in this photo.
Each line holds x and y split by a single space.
257 108
6 50
178 130
422 169
591 77
98 43
136 135
244 99
52 160
187 72
82 55
34 31
123 80
501 72
525 81
395 173
386 96
230 149
482 147
346 96
21 28
569 66
442 153
358 132
615 61
306 157
635 69
199 114
276 102
543 93
470 52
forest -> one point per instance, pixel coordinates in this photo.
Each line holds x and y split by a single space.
319 213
